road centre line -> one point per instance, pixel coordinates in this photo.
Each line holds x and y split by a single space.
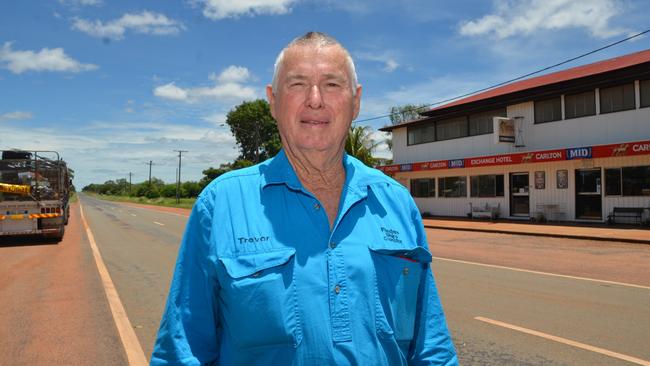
544 273
158 223
134 215
569 342
132 346
160 211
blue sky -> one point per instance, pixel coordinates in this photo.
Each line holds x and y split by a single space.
112 85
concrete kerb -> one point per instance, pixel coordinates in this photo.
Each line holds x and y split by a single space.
544 234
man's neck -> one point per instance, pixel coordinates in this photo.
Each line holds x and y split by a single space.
321 174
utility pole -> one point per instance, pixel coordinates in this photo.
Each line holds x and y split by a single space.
178 181
150 163
130 174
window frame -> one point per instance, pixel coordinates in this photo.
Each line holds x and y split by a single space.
441 186
642 94
420 127
535 109
497 191
600 98
566 109
414 181
497 112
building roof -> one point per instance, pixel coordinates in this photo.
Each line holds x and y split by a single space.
584 71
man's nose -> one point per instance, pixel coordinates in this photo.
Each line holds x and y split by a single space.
314 98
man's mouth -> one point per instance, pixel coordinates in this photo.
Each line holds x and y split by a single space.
314 122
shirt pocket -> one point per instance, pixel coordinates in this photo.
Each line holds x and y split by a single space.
399 270
259 299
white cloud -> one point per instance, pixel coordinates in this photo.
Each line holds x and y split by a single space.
387 58
232 74
516 17
171 91
228 87
46 59
220 9
15 116
145 22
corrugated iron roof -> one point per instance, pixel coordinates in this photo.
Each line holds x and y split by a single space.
557 77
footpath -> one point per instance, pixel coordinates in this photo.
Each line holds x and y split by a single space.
621 233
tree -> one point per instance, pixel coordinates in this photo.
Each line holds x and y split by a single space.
406 112
360 145
255 130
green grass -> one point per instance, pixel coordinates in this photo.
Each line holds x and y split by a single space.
162 201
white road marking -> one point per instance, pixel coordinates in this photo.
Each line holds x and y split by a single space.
545 273
569 342
158 223
159 211
134 215
132 346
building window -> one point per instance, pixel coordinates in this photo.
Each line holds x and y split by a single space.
644 86
548 110
613 182
482 123
451 128
636 181
486 185
452 187
580 105
423 187
421 134
617 98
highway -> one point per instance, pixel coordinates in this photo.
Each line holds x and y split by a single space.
538 301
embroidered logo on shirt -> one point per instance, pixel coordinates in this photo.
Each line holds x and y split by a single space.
391 235
253 239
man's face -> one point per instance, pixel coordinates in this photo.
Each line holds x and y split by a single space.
313 103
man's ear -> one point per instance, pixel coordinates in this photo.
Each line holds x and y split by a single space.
357 103
271 98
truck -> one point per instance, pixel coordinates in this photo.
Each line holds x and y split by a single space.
35 189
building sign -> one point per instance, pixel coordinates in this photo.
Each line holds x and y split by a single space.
504 129
578 153
562 179
540 179
458 163
588 152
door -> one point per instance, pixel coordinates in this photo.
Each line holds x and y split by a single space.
588 194
519 195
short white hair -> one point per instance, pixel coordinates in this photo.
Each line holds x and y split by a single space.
316 39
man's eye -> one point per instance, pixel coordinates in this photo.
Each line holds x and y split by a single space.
333 85
297 84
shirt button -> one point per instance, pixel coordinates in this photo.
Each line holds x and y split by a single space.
316 206
332 245
337 289
405 271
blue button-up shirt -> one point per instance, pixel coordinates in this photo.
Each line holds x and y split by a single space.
261 279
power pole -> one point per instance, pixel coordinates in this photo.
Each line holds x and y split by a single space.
130 174
178 181
150 163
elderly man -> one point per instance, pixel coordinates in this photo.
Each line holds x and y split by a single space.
310 258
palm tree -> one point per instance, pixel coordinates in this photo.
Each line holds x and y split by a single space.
360 145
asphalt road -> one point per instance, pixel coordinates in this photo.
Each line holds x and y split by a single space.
139 248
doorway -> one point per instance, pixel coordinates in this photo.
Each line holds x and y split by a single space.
519 195
589 203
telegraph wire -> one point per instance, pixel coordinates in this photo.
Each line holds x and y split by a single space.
515 79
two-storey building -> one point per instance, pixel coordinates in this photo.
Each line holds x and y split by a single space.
569 145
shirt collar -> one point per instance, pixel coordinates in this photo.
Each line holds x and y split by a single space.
279 171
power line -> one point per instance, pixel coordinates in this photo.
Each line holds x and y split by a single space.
517 78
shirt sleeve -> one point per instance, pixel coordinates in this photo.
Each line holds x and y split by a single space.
189 330
432 344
